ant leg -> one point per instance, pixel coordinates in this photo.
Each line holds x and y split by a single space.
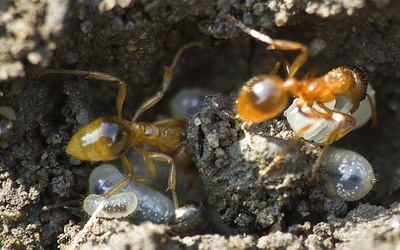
149 164
334 116
183 159
341 118
129 173
149 158
336 134
274 43
373 111
153 100
323 151
170 123
291 143
278 159
290 45
286 66
284 63
310 74
275 69
97 76
318 162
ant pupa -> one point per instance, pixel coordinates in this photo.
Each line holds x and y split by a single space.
110 137
266 96
347 175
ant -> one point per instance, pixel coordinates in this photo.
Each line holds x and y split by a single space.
110 137
266 96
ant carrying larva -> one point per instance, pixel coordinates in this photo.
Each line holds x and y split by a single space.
266 96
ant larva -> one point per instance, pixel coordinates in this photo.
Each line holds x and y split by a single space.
186 101
142 203
134 200
321 128
110 137
347 175
266 96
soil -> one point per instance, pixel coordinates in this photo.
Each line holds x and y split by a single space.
42 186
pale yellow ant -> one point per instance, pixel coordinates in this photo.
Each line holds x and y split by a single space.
264 97
110 137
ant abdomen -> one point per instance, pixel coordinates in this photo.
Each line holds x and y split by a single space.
103 139
261 98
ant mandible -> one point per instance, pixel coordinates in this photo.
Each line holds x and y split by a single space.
264 97
110 137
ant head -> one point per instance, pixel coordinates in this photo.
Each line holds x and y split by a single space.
261 98
103 139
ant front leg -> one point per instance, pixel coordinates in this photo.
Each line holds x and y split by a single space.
168 72
97 76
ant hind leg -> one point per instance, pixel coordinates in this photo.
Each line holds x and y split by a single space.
149 158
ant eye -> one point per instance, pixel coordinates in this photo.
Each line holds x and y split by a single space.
103 139
262 98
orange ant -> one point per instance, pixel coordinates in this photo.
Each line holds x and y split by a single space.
110 137
264 97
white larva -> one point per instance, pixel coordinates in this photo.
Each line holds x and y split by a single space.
347 175
141 203
117 206
187 101
320 129
136 201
